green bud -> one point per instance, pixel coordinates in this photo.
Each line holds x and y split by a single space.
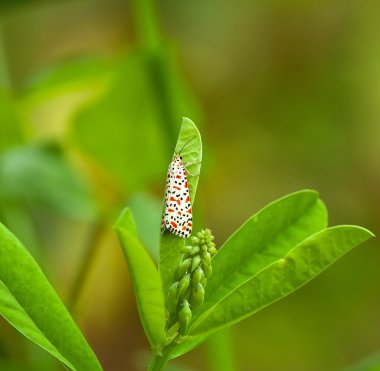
212 250
207 235
206 258
183 285
207 270
184 317
172 334
197 276
186 249
195 263
191 273
195 240
173 329
194 250
170 339
197 296
172 299
183 267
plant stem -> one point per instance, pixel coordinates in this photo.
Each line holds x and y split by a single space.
150 41
159 361
146 23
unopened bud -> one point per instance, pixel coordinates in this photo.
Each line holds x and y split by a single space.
172 299
197 276
197 296
183 267
211 245
194 250
173 329
195 240
184 317
207 270
212 250
195 263
186 249
183 285
206 258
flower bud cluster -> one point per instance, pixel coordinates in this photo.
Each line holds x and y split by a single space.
187 292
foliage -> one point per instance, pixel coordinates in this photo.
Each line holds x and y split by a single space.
110 115
275 252
62 190
146 280
30 304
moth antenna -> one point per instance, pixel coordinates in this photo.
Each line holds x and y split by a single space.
179 153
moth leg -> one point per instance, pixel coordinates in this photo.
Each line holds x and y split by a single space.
192 175
191 163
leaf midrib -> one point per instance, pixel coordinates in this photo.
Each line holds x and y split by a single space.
198 319
313 236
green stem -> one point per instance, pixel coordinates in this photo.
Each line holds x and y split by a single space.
146 23
159 361
150 41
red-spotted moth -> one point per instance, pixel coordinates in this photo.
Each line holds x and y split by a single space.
177 217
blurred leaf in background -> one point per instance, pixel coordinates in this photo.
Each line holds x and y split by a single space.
290 92
39 177
133 121
10 129
97 130
147 211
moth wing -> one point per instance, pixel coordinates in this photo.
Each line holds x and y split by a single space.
166 204
177 217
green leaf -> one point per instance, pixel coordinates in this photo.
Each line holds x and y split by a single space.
189 140
30 304
282 256
138 109
18 219
128 147
147 211
260 241
297 267
54 95
41 175
146 280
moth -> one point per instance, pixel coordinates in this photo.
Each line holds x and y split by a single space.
177 216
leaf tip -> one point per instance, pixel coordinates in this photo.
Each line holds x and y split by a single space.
126 221
188 122
310 191
366 231
363 234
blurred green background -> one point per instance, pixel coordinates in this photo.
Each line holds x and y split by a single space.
286 95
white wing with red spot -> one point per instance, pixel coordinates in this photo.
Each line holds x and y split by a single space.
177 217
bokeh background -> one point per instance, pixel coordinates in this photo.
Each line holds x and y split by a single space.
286 95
